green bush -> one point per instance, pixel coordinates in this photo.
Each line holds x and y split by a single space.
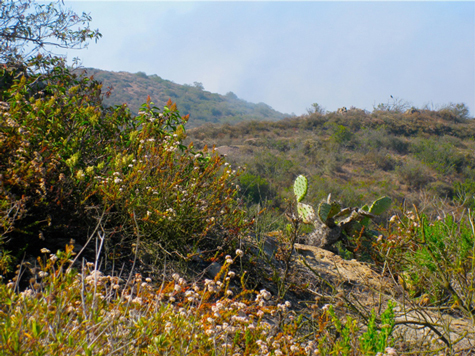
370 139
415 174
68 164
341 135
440 155
255 188
465 193
455 112
434 258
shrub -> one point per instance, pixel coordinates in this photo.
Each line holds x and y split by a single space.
465 193
455 112
67 164
341 135
439 155
434 258
380 138
382 159
416 175
255 188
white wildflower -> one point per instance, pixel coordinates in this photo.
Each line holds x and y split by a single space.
390 351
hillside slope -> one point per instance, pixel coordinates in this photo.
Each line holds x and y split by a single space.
202 106
419 157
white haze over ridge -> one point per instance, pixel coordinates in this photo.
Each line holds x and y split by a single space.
292 54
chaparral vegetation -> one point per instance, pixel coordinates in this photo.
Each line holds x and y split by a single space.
346 233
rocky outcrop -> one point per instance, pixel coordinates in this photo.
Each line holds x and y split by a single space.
411 111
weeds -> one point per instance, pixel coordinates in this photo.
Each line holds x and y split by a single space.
67 311
434 260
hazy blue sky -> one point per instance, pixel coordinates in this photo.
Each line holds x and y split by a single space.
292 54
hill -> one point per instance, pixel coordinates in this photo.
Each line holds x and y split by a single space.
180 262
424 157
202 106
129 240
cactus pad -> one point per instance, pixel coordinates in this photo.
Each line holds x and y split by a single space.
300 187
323 211
380 206
306 213
334 209
327 211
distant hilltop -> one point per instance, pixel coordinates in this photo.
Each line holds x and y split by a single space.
202 106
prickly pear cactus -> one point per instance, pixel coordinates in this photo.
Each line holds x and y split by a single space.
300 187
380 206
332 223
306 213
327 211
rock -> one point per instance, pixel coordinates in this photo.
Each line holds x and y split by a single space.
339 271
213 269
411 111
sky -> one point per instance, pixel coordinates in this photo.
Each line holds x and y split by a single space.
290 55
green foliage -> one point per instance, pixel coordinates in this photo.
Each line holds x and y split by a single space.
382 159
306 213
434 258
376 339
414 174
6 261
465 193
65 159
380 206
341 135
316 109
327 211
380 139
255 188
440 155
460 111
389 154
65 309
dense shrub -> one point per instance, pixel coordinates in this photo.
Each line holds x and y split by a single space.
440 155
255 188
68 164
66 309
378 139
382 159
434 258
341 135
414 174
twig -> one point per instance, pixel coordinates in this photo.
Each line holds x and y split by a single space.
89 240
